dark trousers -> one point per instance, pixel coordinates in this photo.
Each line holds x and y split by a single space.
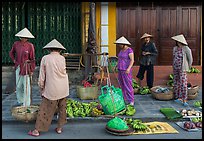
149 75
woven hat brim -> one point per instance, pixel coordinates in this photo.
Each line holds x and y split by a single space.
25 33
180 38
54 44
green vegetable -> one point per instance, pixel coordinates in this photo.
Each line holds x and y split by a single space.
197 104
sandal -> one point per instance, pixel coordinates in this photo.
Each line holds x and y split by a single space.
32 134
58 130
178 101
185 104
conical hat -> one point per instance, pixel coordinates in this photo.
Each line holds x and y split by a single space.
54 44
180 38
146 35
24 33
122 40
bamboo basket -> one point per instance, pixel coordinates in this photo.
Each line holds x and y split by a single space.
193 92
162 96
22 113
87 93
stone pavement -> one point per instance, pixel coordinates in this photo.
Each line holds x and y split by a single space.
147 108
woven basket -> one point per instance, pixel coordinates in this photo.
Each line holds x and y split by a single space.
26 114
87 93
193 90
162 96
192 96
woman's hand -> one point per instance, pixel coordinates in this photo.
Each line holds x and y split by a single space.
145 53
127 71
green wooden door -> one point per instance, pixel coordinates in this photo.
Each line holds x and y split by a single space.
46 21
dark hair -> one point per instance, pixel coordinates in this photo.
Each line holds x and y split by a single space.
180 43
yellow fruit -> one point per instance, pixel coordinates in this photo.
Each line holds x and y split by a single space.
152 126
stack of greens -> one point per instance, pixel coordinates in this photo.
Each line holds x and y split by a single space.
171 113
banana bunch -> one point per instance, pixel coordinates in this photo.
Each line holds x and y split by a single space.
96 112
136 124
154 127
128 121
75 108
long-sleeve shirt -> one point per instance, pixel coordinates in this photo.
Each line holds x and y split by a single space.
22 52
150 58
53 78
187 60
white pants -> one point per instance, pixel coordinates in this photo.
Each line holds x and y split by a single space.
23 88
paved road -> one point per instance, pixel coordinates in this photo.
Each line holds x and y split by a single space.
85 129
147 109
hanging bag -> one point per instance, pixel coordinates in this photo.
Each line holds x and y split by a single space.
111 105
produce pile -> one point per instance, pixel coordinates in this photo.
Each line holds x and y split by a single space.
140 90
81 109
170 81
135 85
75 108
190 112
130 110
162 89
197 104
136 124
192 125
193 70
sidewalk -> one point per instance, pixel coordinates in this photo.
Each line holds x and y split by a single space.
147 108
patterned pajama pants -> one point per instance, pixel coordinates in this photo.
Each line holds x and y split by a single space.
125 81
180 84
46 112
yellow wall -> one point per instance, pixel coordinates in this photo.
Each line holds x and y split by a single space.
111 26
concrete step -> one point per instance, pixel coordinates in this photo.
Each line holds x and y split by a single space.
75 75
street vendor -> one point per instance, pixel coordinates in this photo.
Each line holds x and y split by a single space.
23 56
54 89
182 62
125 63
147 60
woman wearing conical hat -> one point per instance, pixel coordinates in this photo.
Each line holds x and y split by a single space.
147 60
125 63
182 62
54 89
23 56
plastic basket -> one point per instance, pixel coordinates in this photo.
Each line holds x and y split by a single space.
111 105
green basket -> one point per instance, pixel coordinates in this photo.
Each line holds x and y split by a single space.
111 105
